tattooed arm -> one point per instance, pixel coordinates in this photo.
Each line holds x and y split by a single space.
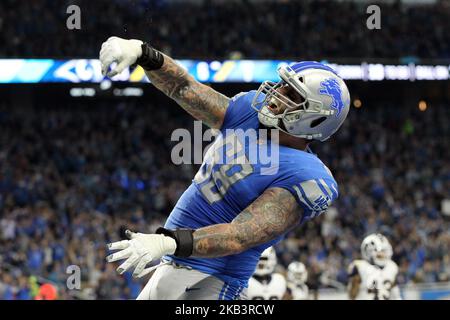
274 213
201 101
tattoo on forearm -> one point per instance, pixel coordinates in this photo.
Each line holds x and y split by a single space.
271 215
201 101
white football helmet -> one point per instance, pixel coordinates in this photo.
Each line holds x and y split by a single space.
267 262
297 273
324 106
376 249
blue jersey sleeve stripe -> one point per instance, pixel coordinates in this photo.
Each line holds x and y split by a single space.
331 192
302 197
225 296
333 187
323 186
222 291
238 293
311 191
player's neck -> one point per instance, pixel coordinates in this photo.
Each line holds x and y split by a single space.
293 142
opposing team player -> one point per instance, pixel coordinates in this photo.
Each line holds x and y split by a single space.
297 275
238 204
266 284
374 278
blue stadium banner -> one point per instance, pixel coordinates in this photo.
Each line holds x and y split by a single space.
252 71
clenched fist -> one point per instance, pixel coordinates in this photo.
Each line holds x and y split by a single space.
124 52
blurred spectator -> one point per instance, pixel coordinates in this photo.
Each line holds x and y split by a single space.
229 29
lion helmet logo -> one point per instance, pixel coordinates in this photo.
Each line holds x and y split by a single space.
331 87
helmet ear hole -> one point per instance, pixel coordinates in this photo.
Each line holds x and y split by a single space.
306 105
316 122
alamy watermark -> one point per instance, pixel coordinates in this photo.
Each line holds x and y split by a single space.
230 147
374 20
73 281
73 22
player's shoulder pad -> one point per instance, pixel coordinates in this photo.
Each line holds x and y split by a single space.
243 97
353 268
393 266
239 113
309 174
239 95
278 277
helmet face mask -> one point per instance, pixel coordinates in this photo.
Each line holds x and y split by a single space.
380 260
272 92
323 96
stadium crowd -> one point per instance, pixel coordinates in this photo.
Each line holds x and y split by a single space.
73 176
253 29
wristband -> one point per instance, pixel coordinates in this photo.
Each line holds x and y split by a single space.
183 237
151 59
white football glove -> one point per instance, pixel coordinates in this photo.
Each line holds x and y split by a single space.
124 52
140 250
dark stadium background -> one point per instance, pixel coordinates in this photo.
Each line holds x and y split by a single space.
74 172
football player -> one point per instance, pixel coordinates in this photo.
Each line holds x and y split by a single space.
297 275
266 284
236 206
374 278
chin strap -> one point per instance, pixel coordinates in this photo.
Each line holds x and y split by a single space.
267 118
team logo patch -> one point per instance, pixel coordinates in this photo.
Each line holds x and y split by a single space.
331 87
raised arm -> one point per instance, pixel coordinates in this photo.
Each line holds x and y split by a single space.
274 213
201 101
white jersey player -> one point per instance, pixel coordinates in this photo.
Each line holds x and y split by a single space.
265 284
296 281
374 278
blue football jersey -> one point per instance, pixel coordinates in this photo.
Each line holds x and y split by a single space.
236 170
